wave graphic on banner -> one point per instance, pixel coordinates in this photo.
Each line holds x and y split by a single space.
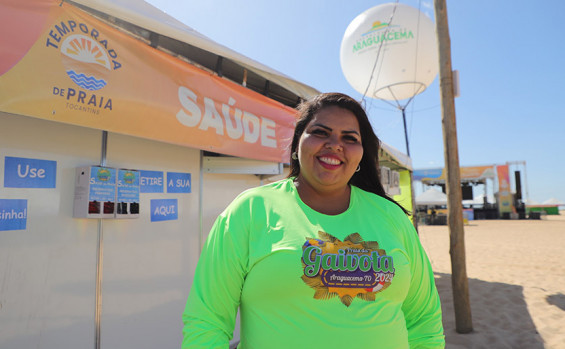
87 82
86 62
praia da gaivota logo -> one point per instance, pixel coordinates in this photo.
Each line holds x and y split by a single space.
103 175
381 32
129 177
89 60
348 269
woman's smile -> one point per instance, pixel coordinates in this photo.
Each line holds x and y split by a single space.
330 162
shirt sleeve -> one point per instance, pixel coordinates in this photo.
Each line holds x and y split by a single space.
422 306
211 309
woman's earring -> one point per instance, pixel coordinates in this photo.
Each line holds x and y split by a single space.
358 168
294 156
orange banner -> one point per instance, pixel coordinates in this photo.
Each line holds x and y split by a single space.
467 172
504 192
61 64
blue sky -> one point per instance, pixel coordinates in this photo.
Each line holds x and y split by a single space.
509 55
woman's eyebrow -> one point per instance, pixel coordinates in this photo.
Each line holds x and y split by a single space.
330 129
323 126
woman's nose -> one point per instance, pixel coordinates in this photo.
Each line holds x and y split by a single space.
334 143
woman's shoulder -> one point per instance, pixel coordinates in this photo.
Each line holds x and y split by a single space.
258 201
389 213
372 199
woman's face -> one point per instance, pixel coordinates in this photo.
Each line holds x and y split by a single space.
330 149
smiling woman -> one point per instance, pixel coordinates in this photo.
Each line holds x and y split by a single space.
323 250
347 151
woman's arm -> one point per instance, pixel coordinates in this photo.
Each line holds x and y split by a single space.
422 307
211 309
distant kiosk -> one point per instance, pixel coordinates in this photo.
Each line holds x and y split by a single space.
389 52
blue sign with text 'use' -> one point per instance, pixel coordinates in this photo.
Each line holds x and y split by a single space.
29 173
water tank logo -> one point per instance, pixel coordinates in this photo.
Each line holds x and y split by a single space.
86 62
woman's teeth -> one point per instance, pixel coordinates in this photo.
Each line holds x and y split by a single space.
330 161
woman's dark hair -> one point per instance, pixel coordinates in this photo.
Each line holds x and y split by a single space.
368 177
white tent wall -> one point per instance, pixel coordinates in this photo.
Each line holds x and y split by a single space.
48 271
149 266
47 290
218 191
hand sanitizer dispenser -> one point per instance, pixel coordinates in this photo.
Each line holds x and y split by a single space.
127 199
95 192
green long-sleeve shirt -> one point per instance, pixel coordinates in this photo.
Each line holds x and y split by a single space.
303 279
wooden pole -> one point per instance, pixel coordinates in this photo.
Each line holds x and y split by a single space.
459 282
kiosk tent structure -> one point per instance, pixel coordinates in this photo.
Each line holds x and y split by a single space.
430 200
120 86
506 189
431 197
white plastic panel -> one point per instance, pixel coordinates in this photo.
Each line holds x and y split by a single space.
219 190
149 266
47 271
228 164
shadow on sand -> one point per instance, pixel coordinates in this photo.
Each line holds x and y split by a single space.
499 313
557 299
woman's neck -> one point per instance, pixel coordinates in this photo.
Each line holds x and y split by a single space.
329 202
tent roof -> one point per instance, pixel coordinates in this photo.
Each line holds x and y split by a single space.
479 200
553 201
431 197
394 158
164 32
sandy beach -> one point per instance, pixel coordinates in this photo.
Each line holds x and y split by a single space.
516 271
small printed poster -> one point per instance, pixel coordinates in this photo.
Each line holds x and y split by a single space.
127 199
102 184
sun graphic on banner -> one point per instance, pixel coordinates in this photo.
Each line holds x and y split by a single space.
86 60
84 49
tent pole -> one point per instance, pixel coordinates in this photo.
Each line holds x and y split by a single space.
99 259
405 130
412 196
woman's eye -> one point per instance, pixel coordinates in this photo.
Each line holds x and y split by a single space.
351 139
319 132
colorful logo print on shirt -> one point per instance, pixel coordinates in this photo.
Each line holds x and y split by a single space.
348 269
